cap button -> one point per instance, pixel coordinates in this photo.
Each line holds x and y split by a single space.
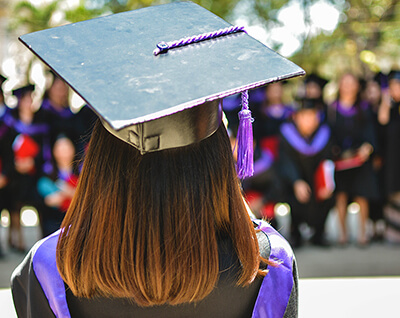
163 47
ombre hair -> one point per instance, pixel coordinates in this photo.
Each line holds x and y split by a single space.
146 227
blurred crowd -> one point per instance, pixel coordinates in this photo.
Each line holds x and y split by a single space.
320 156
314 156
40 152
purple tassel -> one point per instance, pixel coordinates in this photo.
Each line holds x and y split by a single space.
244 167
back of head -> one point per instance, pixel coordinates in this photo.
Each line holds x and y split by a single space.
146 226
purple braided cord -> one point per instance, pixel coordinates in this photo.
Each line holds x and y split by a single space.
163 47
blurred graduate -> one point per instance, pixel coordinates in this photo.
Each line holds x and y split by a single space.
389 115
355 141
31 155
308 171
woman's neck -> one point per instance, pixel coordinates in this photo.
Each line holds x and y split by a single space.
57 105
64 166
26 117
347 101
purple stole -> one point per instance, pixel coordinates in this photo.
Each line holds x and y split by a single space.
279 111
264 162
63 113
276 287
349 112
22 128
45 268
271 302
318 142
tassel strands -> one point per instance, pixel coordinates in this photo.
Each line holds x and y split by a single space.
244 167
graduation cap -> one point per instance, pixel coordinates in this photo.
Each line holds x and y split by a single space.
22 91
155 75
314 78
394 75
2 80
310 103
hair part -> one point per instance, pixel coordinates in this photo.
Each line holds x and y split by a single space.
146 227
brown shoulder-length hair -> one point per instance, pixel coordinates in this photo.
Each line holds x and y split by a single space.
146 226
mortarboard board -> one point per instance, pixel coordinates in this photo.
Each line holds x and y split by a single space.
109 62
21 91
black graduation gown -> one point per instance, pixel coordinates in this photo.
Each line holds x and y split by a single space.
267 123
299 159
60 121
392 158
6 159
23 186
351 128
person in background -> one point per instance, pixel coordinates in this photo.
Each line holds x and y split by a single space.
61 118
158 226
307 170
58 188
269 115
389 115
6 159
375 88
55 105
355 141
29 149
314 89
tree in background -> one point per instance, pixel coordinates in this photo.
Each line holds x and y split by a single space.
367 40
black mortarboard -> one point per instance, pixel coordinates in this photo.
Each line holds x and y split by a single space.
2 79
21 91
314 78
394 74
310 103
145 98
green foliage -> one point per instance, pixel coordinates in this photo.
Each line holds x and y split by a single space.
366 40
33 18
82 13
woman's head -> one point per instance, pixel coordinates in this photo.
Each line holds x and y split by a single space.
58 92
64 151
349 86
394 85
146 226
24 96
274 93
307 121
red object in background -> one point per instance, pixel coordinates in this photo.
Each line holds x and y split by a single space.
348 163
24 146
271 144
267 210
73 182
324 180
